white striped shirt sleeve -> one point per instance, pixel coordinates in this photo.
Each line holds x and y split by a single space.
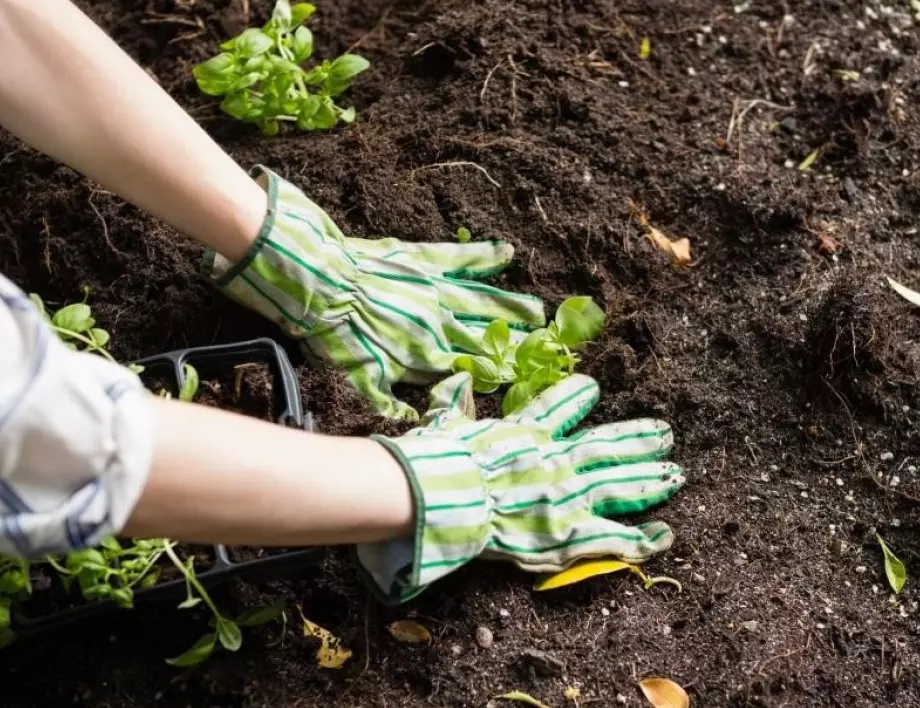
76 437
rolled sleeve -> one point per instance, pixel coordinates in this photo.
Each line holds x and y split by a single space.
76 437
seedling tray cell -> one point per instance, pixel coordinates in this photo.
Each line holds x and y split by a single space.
169 368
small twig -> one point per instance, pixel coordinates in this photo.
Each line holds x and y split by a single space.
372 31
514 71
423 48
47 231
485 84
536 200
105 227
738 118
461 163
171 20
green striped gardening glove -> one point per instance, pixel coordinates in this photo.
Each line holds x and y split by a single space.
385 310
516 489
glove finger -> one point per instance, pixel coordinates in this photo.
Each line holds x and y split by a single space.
478 304
450 401
592 537
620 443
480 259
630 489
562 406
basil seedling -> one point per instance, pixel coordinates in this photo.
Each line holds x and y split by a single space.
262 81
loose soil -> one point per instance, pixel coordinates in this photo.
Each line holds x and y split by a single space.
788 370
246 388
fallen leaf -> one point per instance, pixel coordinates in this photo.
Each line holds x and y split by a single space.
678 250
828 244
912 296
645 48
894 568
520 698
582 571
410 632
331 654
806 164
572 693
664 693
847 74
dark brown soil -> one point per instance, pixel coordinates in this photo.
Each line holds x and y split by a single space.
247 388
788 370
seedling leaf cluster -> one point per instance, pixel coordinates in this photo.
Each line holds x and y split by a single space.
262 81
545 357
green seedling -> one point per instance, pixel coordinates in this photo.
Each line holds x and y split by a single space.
464 235
262 81
15 585
543 358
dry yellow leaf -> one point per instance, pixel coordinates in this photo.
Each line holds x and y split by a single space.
572 693
678 250
331 654
410 632
521 698
664 693
582 571
645 48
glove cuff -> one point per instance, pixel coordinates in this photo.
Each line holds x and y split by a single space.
452 513
295 266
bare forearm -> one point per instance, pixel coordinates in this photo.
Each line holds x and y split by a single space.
68 90
223 478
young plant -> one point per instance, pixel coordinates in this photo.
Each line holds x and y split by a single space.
15 585
260 76
543 358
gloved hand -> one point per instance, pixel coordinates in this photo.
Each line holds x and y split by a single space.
517 489
385 310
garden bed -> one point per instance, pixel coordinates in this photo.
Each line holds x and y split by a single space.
788 371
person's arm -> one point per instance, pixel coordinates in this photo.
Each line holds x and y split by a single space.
69 91
223 478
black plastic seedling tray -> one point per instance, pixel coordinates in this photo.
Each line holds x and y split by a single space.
209 362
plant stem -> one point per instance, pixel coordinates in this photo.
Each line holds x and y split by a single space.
91 345
193 579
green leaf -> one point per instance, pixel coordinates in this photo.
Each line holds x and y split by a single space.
190 385
85 558
7 637
12 582
189 602
229 634
464 235
302 45
149 580
806 164
517 397
325 116
5 619
99 336
110 543
74 318
894 568
39 304
342 72
282 15
253 43
348 115
269 127
486 375
301 12
135 368
123 597
199 651
261 615
496 339
579 320
534 352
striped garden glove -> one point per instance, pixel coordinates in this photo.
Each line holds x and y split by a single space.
385 310
516 489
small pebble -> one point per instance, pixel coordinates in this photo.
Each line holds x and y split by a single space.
484 637
605 612
750 625
504 613
456 649
886 456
